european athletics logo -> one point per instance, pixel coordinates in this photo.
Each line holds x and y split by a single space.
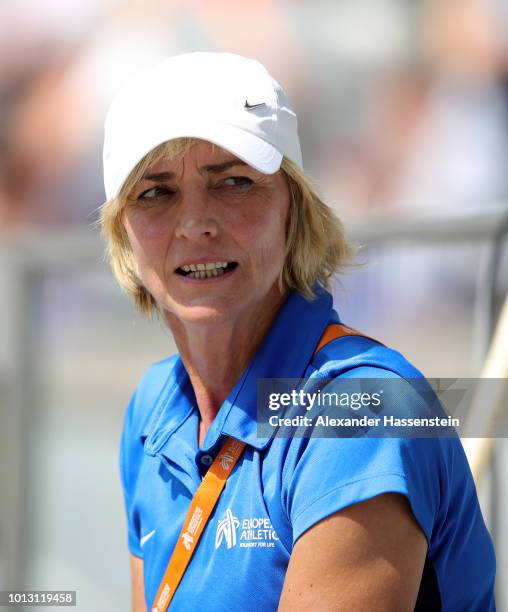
226 529
255 532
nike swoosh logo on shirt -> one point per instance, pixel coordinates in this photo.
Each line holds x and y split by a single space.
145 538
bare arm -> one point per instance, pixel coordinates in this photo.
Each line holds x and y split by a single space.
138 590
369 556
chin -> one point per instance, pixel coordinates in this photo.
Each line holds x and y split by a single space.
200 314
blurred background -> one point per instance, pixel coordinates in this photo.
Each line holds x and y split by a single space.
403 115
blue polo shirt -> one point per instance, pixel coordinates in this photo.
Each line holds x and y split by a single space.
283 486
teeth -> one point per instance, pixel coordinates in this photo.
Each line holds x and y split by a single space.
208 270
206 273
208 266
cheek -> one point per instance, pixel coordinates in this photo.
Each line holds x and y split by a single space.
271 253
149 246
148 240
263 236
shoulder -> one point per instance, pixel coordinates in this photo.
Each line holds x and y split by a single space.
349 352
328 471
143 409
149 393
157 376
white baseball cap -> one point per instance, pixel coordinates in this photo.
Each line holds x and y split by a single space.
223 98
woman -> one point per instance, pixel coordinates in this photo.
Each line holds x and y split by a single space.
211 223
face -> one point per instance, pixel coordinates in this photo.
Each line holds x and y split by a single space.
208 235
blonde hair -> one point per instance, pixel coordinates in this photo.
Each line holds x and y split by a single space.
316 245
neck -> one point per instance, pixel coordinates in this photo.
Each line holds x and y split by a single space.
215 354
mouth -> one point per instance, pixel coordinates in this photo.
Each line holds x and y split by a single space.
207 270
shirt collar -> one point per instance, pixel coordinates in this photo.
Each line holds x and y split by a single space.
285 352
174 404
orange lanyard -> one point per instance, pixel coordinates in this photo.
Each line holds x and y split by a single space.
201 507
207 495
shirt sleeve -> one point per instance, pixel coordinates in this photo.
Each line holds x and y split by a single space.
130 449
323 476
139 417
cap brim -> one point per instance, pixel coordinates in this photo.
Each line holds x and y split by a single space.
248 147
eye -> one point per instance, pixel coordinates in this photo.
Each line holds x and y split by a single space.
236 181
155 193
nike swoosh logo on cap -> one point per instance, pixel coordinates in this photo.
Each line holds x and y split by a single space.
251 106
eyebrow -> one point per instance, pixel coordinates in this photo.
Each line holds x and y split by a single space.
210 168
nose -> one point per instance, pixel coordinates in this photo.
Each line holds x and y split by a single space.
197 219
